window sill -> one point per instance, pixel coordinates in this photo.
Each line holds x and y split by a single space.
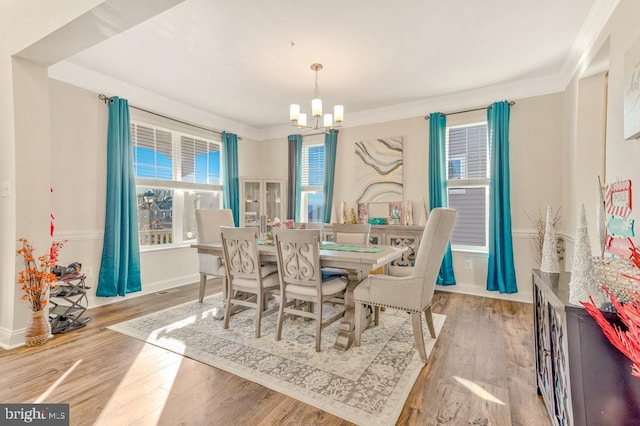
163 248
482 252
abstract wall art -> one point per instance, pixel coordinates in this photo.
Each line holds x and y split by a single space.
379 170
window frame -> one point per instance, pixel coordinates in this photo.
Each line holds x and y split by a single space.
484 182
178 187
305 190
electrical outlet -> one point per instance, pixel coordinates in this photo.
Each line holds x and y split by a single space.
468 264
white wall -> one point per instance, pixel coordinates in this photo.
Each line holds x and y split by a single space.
584 125
25 166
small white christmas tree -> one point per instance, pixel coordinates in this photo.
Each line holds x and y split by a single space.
423 214
549 250
583 283
334 214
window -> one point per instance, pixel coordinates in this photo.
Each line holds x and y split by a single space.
312 182
468 177
176 173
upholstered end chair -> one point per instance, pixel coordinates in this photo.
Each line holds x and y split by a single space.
411 293
208 223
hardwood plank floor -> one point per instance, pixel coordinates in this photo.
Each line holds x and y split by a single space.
481 372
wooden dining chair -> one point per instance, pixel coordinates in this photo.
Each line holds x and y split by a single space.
412 293
245 274
351 233
208 223
301 280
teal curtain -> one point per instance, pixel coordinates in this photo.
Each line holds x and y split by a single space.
120 264
230 181
501 274
295 177
438 184
330 148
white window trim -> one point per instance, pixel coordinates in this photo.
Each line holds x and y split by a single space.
471 183
305 189
177 186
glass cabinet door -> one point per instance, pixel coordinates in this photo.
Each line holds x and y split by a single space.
251 203
261 201
273 201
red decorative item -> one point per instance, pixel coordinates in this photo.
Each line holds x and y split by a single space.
627 342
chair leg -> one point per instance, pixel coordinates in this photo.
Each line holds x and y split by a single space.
283 302
416 319
318 325
227 310
259 306
358 324
376 315
203 287
429 318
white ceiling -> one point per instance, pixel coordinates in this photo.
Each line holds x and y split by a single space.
247 60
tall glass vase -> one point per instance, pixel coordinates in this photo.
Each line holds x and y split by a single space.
38 331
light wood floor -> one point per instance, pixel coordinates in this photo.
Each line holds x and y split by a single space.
111 379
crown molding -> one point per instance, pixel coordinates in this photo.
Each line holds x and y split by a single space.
582 51
94 81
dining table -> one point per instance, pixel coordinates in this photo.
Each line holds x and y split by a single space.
356 260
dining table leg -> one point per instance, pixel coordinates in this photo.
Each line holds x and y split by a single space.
346 329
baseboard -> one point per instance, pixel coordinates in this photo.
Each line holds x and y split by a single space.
95 301
474 290
12 339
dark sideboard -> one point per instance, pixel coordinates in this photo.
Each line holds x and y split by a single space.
582 378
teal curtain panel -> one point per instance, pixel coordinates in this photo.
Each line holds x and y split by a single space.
230 181
295 177
501 275
438 185
120 264
330 149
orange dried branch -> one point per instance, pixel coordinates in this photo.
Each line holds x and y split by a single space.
36 278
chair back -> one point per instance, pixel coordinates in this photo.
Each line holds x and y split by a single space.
434 242
299 257
348 233
240 248
208 223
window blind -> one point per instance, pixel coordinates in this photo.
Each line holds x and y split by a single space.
312 165
152 152
467 152
199 161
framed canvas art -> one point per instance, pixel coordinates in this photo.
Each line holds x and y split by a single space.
379 170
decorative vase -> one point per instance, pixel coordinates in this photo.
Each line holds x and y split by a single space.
38 331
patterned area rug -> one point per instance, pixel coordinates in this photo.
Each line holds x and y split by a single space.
366 385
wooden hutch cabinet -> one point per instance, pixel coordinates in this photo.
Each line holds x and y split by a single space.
582 378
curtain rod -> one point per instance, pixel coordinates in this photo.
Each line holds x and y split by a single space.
511 103
314 134
105 98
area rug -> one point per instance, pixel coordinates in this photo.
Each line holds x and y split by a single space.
365 385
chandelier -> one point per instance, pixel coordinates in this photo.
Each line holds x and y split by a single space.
329 121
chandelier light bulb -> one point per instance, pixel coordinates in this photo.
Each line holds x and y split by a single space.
316 107
302 119
294 112
328 120
338 113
